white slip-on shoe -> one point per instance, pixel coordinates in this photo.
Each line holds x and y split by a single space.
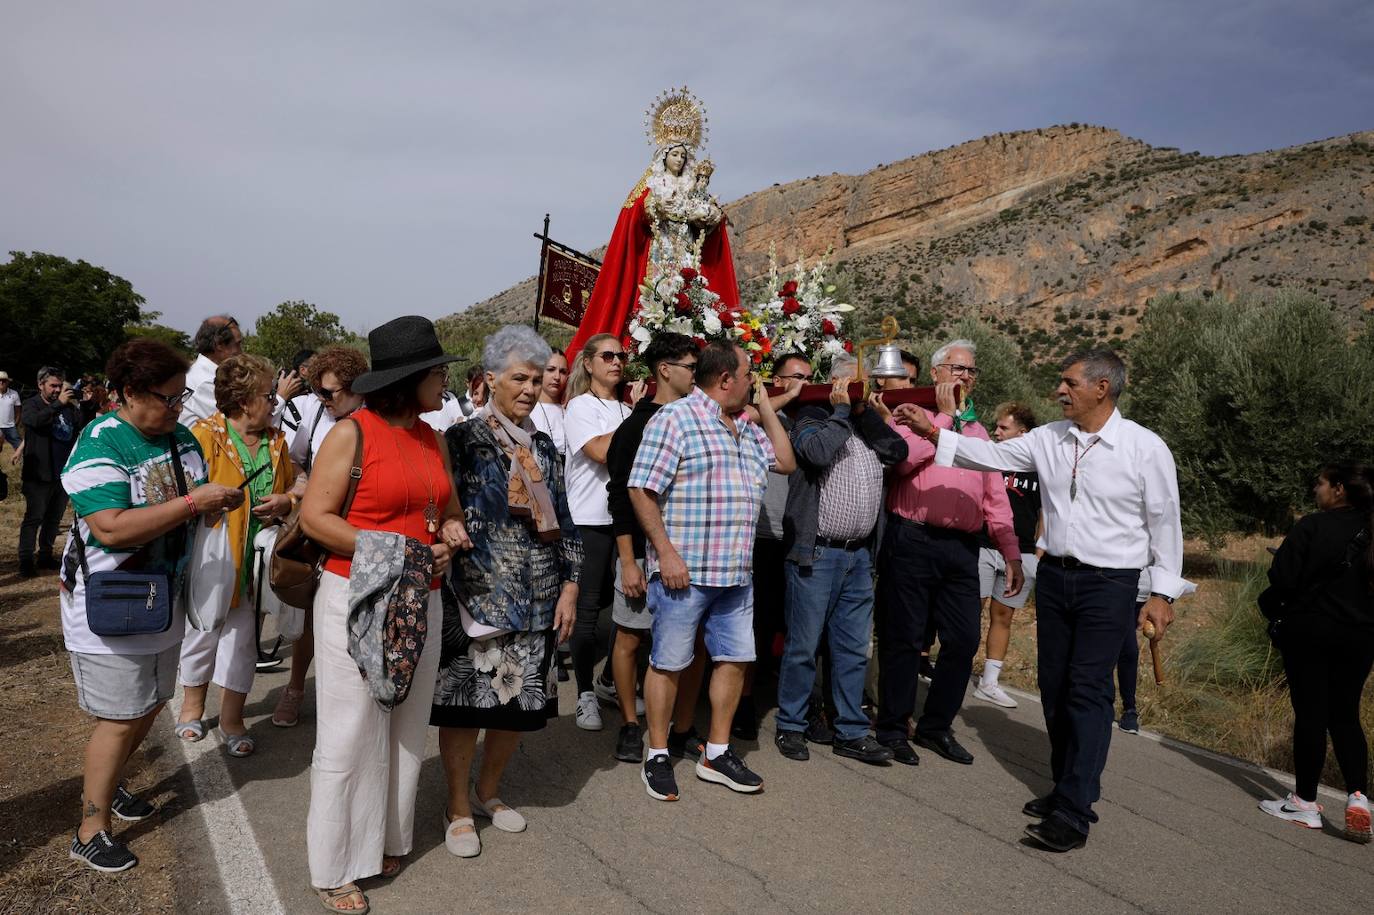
1295 810
994 693
461 844
508 819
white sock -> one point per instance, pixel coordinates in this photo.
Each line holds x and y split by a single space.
651 753
991 671
715 749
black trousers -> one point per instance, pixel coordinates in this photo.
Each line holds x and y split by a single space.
1327 666
1128 667
595 592
44 505
1083 618
924 572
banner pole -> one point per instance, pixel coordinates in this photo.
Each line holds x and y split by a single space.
539 286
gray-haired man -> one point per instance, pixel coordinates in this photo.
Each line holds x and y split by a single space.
217 339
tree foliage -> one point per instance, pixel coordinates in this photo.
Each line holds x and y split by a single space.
54 311
150 328
1252 396
293 326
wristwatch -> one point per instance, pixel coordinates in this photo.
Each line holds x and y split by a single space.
1164 597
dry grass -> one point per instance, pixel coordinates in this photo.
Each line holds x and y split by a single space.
1224 687
40 762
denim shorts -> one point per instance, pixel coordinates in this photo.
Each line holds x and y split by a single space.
725 614
122 687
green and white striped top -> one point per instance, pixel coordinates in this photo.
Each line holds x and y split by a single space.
115 466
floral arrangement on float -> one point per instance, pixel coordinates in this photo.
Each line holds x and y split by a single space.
801 315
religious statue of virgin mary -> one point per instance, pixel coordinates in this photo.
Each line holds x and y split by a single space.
669 221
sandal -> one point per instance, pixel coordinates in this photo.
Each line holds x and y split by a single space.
288 711
391 866
239 745
191 731
330 899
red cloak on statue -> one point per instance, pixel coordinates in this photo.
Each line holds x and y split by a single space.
622 271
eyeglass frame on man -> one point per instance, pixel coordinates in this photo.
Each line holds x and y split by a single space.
689 366
958 368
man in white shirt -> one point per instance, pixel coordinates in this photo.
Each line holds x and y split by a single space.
217 339
9 412
1110 497
450 413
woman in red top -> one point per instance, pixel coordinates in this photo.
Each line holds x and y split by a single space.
366 763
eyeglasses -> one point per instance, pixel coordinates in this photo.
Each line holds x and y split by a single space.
326 394
608 356
689 366
271 397
957 369
795 376
172 401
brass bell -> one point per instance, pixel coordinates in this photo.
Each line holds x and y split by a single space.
889 363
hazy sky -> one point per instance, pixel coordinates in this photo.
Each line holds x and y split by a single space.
388 158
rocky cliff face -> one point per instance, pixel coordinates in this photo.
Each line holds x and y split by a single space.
1062 235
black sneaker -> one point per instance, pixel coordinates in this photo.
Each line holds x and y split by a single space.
128 807
864 749
629 747
27 569
657 774
686 745
792 744
102 853
817 731
1130 722
49 562
729 770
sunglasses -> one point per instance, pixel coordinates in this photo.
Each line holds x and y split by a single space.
608 356
326 394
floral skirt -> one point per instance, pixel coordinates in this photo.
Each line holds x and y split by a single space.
503 683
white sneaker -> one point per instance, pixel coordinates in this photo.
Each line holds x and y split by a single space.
1295 810
607 693
1357 828
994 693
588 712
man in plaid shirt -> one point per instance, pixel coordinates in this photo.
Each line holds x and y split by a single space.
696 487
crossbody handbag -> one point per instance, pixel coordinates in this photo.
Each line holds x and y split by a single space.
129 601
297 560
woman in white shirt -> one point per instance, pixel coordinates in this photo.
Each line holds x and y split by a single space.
594 413
548 412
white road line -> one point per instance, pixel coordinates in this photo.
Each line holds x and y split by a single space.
1193 750
243 874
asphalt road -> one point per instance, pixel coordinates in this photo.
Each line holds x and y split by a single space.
1179 832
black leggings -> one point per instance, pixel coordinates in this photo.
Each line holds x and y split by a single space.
594 595
1327 667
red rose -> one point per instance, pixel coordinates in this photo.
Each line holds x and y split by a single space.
700 342
757 358
727 318
789 288
849 346
790 306
828 328
684 304
688 274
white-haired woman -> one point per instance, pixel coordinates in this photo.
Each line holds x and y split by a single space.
511 598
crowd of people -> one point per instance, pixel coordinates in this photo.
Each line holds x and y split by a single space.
693 532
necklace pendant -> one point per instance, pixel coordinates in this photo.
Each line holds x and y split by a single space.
432 518
1073 490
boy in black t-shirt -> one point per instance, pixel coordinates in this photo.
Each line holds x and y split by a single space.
1023 491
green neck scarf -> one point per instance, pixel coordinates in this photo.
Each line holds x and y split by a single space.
970 415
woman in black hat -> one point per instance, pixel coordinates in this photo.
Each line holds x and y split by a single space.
367 760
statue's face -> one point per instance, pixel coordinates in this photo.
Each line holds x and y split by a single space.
675 159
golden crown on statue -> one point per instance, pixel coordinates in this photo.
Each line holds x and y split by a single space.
676 116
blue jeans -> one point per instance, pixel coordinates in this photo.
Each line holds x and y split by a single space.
1083 618
9 434
725 614
833 596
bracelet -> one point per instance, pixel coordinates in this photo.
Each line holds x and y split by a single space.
191 504
933 436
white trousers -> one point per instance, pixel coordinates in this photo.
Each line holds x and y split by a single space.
228 655
366 766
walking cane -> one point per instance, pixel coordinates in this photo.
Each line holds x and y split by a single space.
1149 632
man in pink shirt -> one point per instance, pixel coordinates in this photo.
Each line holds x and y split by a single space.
928 568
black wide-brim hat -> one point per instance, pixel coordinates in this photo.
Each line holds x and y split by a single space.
400 347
